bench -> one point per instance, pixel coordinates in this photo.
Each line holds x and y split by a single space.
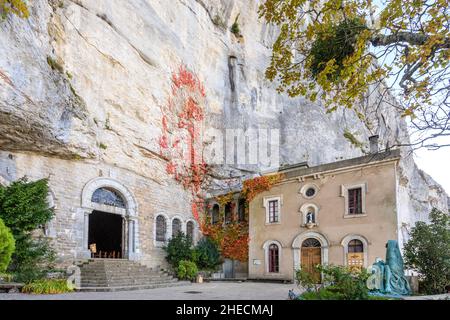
11 287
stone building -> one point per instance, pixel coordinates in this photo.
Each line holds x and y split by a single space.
340 213
104 205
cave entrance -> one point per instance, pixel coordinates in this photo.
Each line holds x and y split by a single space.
106 236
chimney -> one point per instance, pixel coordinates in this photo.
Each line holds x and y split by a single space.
373 141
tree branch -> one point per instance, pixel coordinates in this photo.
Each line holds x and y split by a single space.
412 38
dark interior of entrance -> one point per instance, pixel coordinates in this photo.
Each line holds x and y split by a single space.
105 235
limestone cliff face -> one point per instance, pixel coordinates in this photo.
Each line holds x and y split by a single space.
85 79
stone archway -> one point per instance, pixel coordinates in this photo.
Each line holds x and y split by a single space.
298 242
128 212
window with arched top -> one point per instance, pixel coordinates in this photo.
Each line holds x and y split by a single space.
109 197
356 250
161 228
274 258
215 216
311 243
176 227
190 229
355 246
228 213
241 210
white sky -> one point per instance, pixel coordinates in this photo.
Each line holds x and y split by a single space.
436 163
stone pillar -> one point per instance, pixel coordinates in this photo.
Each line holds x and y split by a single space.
133 238
85 252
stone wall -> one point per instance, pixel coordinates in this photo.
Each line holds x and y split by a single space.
67 179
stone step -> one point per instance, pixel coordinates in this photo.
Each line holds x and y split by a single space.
100 275
123 283
123 273
134 287
127 278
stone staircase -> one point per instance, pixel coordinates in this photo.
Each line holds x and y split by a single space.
100 275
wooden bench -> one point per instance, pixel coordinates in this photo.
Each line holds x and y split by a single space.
11 287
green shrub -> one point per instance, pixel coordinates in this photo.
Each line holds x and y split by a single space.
339 283
347 284
6 277
24 208
322 294
7 246
235 27
206 254
32 259
428 252
187 270
47 286
179 248
306 280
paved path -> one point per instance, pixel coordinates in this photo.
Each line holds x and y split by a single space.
204 291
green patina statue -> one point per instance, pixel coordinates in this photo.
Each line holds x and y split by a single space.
388 277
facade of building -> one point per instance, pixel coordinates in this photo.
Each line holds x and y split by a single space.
340 213
101 210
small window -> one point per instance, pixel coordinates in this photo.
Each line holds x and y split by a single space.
228 213
241 210
355 246
273 211
161 228
109 197
215 216
355 201
190 229
274 258
176 227
310 192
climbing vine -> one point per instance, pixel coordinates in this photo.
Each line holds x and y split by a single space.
233 237
181 141
182 144
255 186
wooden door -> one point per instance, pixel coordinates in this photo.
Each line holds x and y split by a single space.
311 257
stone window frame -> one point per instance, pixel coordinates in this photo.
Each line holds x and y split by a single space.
345 241
213 204
182 225
156 242
304 211
344 193
307 186
266 247
266 200
195 230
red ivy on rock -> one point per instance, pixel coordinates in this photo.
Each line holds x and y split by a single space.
181 141
233 238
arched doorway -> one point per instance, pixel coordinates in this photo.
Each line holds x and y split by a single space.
309 252
311 257
111 224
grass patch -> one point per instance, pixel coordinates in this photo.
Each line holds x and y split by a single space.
48 286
